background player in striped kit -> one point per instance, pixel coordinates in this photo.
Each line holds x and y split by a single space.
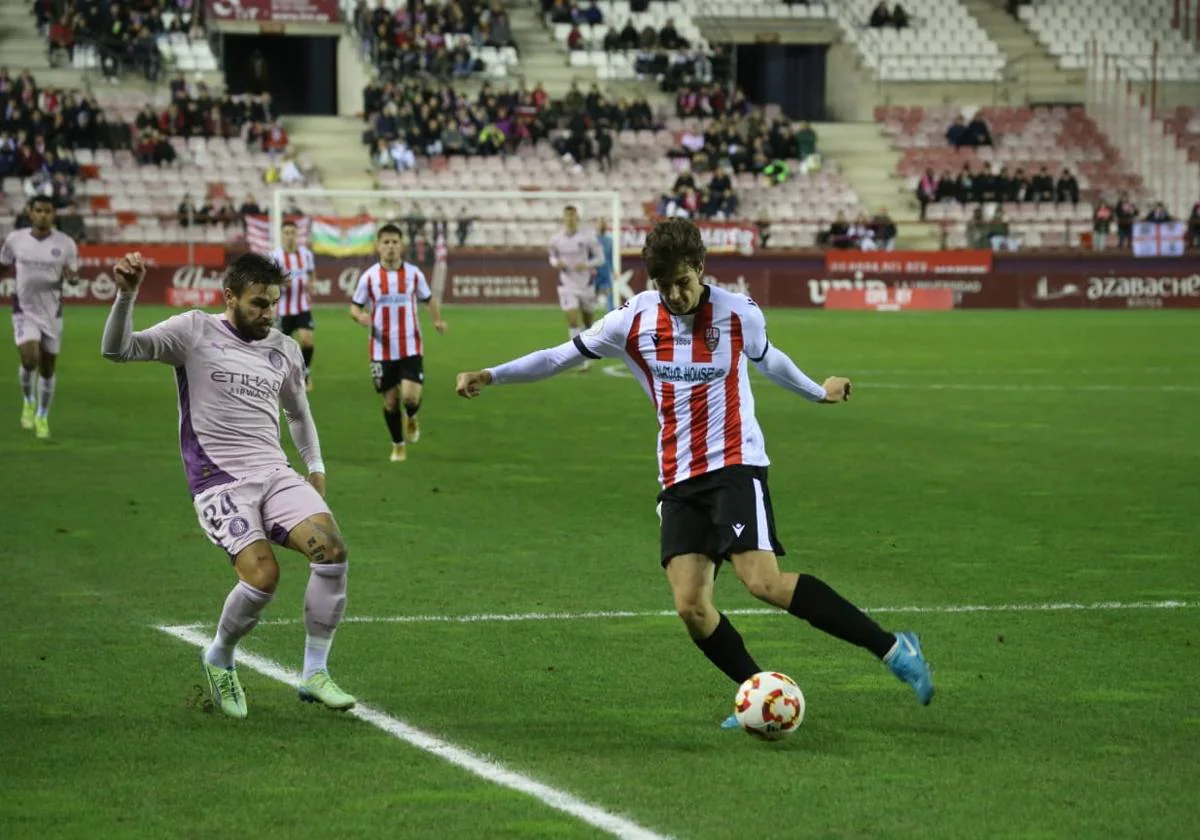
687 344
385 302
576 254
295 302
44 258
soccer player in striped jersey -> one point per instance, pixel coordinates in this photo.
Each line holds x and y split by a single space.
576 254
688 345
295 304
385 302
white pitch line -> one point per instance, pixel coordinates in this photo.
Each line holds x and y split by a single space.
490 771
949 609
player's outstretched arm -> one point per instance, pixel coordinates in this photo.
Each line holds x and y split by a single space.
166 342
778 367
301 426
541 364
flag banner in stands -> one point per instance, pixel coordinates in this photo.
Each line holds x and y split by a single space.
258 233
909 262
273 11
523 278
342 237
1159 239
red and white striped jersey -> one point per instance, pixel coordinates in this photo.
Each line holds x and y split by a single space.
300 266
440 251
692 368
392 297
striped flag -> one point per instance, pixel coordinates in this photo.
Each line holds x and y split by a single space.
258 233
352 236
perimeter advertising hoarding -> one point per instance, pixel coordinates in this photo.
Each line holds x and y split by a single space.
803 282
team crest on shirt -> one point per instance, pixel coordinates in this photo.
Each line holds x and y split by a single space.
56 252
712 337
275 359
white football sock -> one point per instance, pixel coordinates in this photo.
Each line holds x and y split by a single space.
324 606
27 377
243 606
45 395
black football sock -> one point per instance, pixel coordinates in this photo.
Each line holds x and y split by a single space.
411 409
395 424
725 649
307 353
817 603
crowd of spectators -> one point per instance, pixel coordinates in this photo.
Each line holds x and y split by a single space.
865 233
125 35
737 139
430 37
413 119
985 186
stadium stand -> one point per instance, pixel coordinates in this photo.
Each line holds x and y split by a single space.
941 42
1130 29
1027 139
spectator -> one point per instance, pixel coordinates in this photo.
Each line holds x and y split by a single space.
39 184
956 134
806 142
978 133
1158 214
1000 234
402 156
249 207
604 144
884 230
927 190
612 41
985 185
1041 186
186 212
561 12
1067 188
1126 214
1194 225
1102 220
668 37
977 231
899 17
629 36
861 234
593 16
1003 185
880 17
648 40
947 187
838 235
275 139
1018 186
575 40
964 185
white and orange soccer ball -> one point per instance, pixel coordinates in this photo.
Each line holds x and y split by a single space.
769 705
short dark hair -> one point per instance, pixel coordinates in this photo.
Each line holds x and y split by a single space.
253 269
288 223
672 243
41 199
389 228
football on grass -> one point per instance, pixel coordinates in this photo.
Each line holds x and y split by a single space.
769 705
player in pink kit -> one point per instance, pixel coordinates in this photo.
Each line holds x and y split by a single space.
44 258
295 302
233 372
576 254
385 302
689 346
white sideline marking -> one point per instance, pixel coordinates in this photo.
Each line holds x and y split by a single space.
950 609
490 771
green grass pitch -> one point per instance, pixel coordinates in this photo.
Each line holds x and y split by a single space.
986 459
